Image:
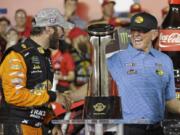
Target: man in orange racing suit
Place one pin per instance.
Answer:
(26, 76)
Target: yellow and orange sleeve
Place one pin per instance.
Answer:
(13, 75)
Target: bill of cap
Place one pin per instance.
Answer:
(65, 24)
(139, 28)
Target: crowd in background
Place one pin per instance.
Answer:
(71, 57)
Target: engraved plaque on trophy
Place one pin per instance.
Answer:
(99, 104)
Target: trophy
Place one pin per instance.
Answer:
(99, 104)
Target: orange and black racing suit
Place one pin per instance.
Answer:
(26, 76)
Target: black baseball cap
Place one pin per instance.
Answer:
(143, 22)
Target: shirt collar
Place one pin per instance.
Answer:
(134, 52)
(152, 52)
(32, 44)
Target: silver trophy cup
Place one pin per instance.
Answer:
(99, 104)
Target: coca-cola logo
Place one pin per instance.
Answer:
(173, 38)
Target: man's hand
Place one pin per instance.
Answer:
(65, 100)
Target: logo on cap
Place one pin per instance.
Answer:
(139, 19)
(52, 20)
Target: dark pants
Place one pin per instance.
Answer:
(134, 129)
(10, 129)
(19, 129)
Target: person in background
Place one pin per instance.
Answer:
(144, 78)
(26, 74)
(12, 37)
(81, 52)
(108, 14)
(4, 25)
(134, 9)
(63, 64)
(3, 43)
(70, 7)
(21, 23)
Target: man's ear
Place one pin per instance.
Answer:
(154, 34)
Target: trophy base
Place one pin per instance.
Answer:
(102, 107)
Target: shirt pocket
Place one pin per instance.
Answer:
(133, 74)
(157, 75)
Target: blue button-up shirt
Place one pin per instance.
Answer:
(145, 82)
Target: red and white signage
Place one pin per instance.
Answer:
(169, 40)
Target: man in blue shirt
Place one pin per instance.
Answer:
(145, 79)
